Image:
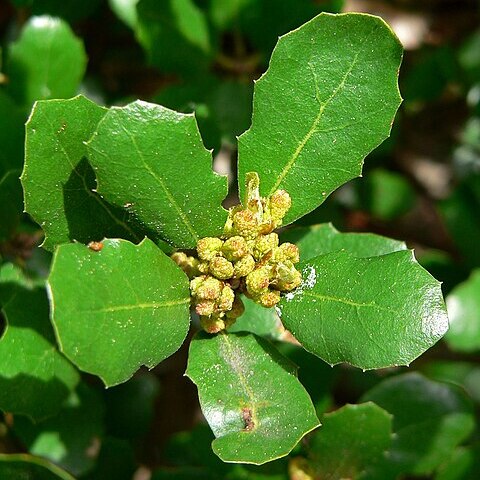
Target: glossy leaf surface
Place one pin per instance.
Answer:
(118, 308)
(151, 160)
(58, 181)
(31, 363)
(463, 305)
(326, 101)
(325, 238)
(48, 61)
(370, 312)
(429, 420)
(250, 396)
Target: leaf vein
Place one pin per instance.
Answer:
(160, 180)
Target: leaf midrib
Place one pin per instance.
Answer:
(313, 129)
(139, 306)
(160, 180)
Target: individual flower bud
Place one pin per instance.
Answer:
(245, 224)
(280, 202)
(212, 324)
(179, 258)
(237, 308)
(269, 298)
(287, 277)
(257, 281)
(234, 248)
(289, 251)
(203, 267)
(264, 244)
(205, 308)
(227, 297)
(221, 268)
(244, 266)
(206, 287)
(188, 264)
(208, 247)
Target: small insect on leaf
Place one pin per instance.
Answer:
(95, 246)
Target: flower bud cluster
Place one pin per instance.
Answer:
(247, 259)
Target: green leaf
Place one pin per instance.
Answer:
(35, 378)
(119, 308)
(174, 34)
(429, 420)
(369, 312)
(137, 154)
(12, 120)
(351, 440)
(463, 306)
(11, 204)
(27, 467)
(326, 101)
(72, 438)
(325, 238)
(259, 320)
(48, 61)
(59, 182)
(250, 396)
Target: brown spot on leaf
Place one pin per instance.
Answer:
(95, 246)
(247, 419)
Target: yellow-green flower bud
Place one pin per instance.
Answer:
(234, 248)
(206, 287)
(221, 268)
(289, 251)
(208, 247)
(279, 204)
(203, 267)
(264, 244)
(225, 302)
(258, 281)
(245, 224)
(205, 308)
(287, 277)
(212, 324)
(179, 258)
(244, 266)
(188, 264)
(269, 298)
(237, 308)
